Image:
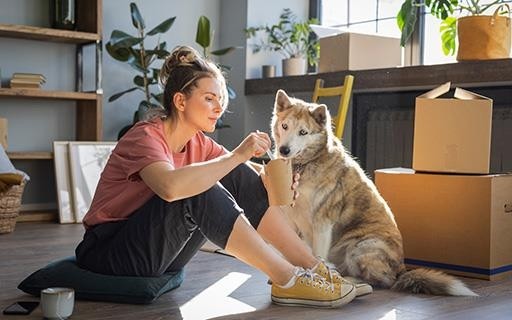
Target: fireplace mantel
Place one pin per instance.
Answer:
(468, 74)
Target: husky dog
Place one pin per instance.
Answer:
(339, 211)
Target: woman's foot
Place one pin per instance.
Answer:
(307, 288)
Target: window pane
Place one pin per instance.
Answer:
(432, 50)
(389, 28)
(334, 12)
(367, 27)
(362, 10)
(389, 8)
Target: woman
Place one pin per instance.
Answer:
(167, 188)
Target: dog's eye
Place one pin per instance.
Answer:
(303, 132)
(285, 126)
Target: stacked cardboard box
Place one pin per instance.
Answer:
(453, 214)
(358, 51)
(27, 80)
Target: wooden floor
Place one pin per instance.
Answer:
(217, 286)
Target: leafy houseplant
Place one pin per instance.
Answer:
(289, 37)
(132, 50)
(443, 10)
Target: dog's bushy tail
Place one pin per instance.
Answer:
(433, 282)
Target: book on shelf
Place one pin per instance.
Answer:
(29, 76)
(27, 80)
(26, 85)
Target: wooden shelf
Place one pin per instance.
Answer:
(47, 34)
(47, 94)
(30, 155)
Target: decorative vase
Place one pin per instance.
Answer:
(62, 14)
(294, 66)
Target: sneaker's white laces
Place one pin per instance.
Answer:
(313, 277)
(333, 272)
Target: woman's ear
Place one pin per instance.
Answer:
(179, 101)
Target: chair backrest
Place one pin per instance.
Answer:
(344, 91)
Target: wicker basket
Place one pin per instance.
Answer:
(10, 202)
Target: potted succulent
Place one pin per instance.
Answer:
(293, 39)
(479, 36)
(132, 50)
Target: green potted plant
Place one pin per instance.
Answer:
(479, 36)
(132, 50)
(293, 39)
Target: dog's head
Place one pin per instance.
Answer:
(300, 130)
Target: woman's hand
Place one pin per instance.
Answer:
(254, 145)
(294, 186)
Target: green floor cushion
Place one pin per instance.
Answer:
(99, 287)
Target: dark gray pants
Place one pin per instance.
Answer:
(163, 236)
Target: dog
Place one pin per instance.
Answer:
(339, 212)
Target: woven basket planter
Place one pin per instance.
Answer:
(10, 202)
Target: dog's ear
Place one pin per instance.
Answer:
(320, 114)
(282, 101)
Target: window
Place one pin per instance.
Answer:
(368, 16)
(379, 16)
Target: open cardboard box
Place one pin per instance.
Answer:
(452, 134)
(461, 224)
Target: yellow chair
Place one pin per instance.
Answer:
(344, 92)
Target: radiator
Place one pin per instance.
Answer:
(389, 139)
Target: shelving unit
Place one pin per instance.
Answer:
(88, 104)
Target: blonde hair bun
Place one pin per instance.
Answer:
(179, 57)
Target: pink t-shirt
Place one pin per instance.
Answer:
(121, 190)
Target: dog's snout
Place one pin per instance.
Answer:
(284, 150)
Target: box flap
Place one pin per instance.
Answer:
(467, 95)
(436, 92)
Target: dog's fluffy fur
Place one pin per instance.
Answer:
(339, 211)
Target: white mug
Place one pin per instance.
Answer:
(57, 303)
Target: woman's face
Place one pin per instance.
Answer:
(203, 106)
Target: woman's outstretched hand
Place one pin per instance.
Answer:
(254, 145)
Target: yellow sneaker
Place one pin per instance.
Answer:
(334, 276)
(310, 289)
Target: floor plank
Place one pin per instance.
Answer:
(216, 286)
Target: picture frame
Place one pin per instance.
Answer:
(87, 161)
(63, 181)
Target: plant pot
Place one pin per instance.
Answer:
(268, 71)
(294, 66)
(483, 37)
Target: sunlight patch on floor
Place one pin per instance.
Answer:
(391, 315)
(214, 301)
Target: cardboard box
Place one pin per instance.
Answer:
(357, 51)
(461, 224)
(3, 132)
(452, 134)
